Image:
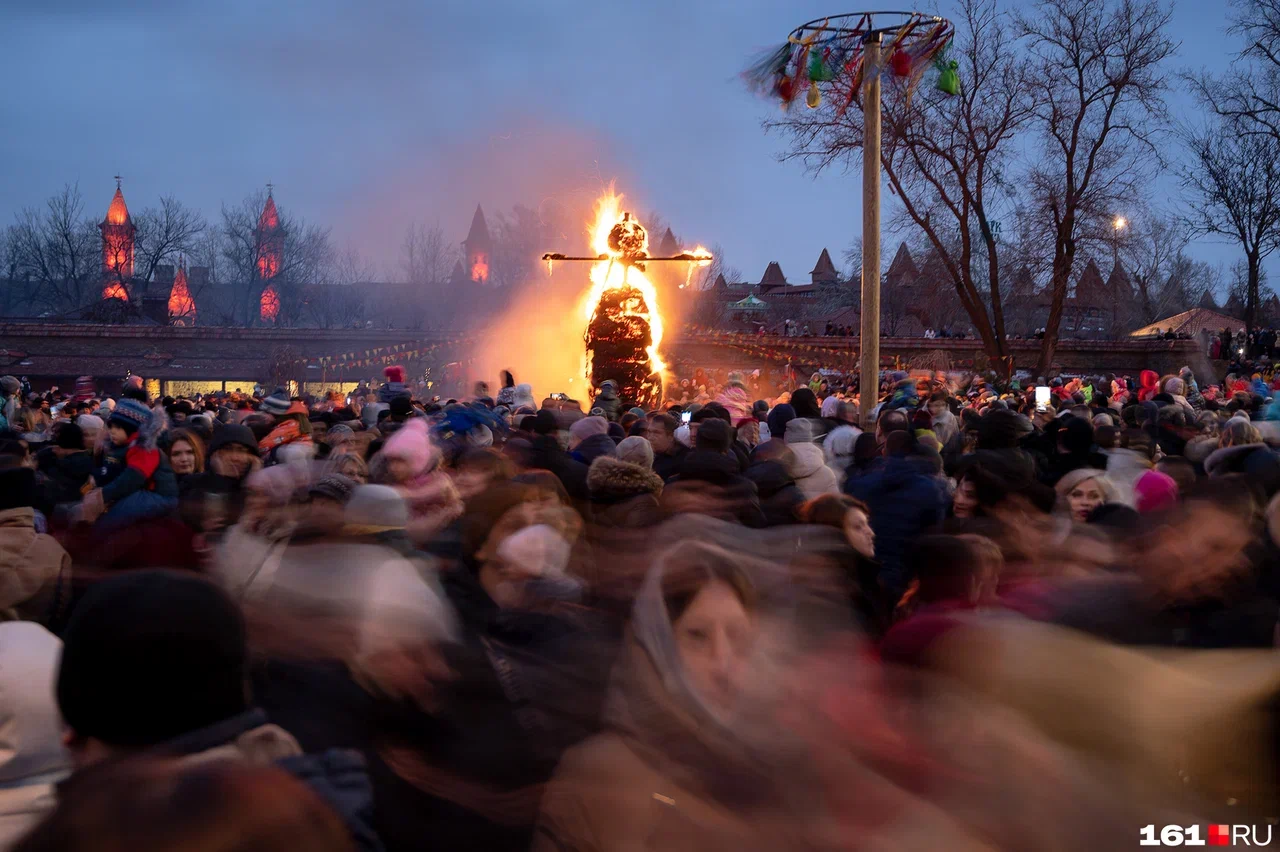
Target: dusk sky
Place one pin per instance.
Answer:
(367, 116)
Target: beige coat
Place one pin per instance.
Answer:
(30, 563)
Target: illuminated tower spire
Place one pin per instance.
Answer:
(117, 247)
(270, 242)
(478, 247)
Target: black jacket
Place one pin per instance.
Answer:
(721, 472)
(780, 497)
(546, 454)
(668, 464)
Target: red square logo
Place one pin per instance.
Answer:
(1219, 835)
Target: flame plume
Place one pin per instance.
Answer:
(624, 325)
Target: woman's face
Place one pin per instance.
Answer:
(182, 458)
(965, 502)
(858, 532)
(1084, 498)
(714, 636)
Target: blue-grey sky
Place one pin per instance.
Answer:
(370, 114)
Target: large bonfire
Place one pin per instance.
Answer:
(624, 325)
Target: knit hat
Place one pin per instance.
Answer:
(277, 404)
(778, 419)
(536, 550)
(149, 656)
(131, 415)
(413, 444)
(401, 406)
(374, 509)
(588, 426)
(90, 421)
(637, 451)
(233, 433)
(9, 384)
(334, 486)
(339, 434)
(638, 412)
(1155, 491)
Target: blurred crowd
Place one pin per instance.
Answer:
(998, 615)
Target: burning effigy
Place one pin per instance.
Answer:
(624, 324)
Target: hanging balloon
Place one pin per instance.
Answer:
(814, 98)
(900, 62)
(819, 71)
(949, 79)
(786, 89)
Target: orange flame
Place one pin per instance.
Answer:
(608, 275)
(115, 290)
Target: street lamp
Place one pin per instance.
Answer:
(1119, 224)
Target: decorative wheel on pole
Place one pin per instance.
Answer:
(843, 57)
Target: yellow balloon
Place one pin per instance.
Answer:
(814, 98)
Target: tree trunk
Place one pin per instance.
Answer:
(1061, 274)
(1251, 298)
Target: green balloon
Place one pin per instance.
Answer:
(949, 79)
(818, 70)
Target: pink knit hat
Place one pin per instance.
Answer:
(412, 443)
(1155, 491)
(588, 426)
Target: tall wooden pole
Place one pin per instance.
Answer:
(869, 367)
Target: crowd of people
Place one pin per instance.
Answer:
(998, 615)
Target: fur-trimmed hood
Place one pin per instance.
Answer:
(612, 479)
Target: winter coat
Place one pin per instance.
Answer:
(904, 396)
(607, 401)
(389, 598)
(337, 776)
(623, 494)
(905, 502)
(593, 448)
(521, 689)
(546, 454)
(32, 566)
(779, 495)
(734, 398)
(668, 464)
(1258, 462)
(734, 496)
(837, 448)
(1124, 467)
(810, 472)
(32, 757)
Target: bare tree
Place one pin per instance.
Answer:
(59, 251)
(300, 252)
(947, 159)
(340, 298)
(1233, 190)
(163, 234)
(1151, 250)
(427, 256)
(1098, 82)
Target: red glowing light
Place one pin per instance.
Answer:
(182, 308)
(480, 268)
(115, 290)
(269, 304)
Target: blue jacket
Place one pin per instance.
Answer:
(905, 502)
(338, 775)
